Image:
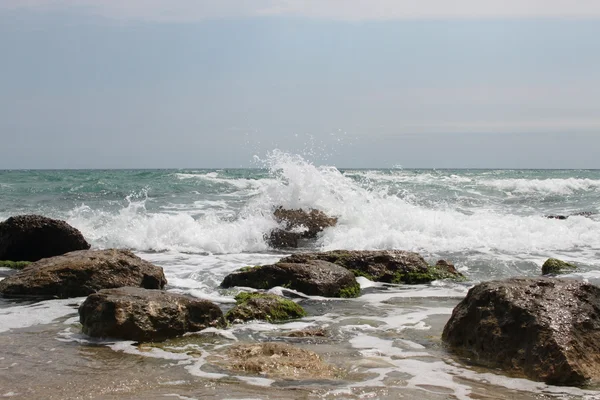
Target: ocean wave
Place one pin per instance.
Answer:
(544, 186)
(369, 217)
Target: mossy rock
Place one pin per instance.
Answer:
(389, 266)
(554, 266)
(433, 273)
(350, 291)
(14, 264)
(265, 307)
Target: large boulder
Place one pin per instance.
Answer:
(263, 306)
(33, 237)
(276, 360)
(146, 315)
(81, 273)
(545, 329)
(298, 224)
(554, 266)
(315, 278)
(390, 266)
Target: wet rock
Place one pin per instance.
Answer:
(308, 332)
(586, 214)
(546, 329)
(314, 278)
(298, 224)
(263, 306)
(81, 273)
(556, 216)
(556, 267)
(390, 266)
(281, 239)
(145, 315)
(277, 360)
(33, 237)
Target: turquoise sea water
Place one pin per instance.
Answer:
(202, 224)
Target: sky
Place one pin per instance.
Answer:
(350, 83)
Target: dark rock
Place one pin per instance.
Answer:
(448, 267)
(298, 224)
(276, 360)
(33, 237)
(314, 278)
(81, 273)
(263, 306)
(546, 329)
(556, 216)
(556, 267)
(390, 266)
(586, 214)
(281, 239)
(145, 315)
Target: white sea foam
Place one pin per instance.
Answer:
(544, 186)
(43, 312)
(369, 217)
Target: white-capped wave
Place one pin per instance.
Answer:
(551, 186)
(369, 217)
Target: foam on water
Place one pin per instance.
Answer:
(544, 186)
(43, 312)
(371, 216)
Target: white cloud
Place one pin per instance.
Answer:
(353, 10)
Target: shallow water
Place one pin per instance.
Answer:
(199, 225)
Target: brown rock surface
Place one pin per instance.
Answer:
(298, 224)
(278, 360)
(146, 315)
(315, 278)
(390, 266)
(80, 273)
(543, 328)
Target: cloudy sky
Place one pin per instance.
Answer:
(353, 83)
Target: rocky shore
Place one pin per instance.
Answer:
(545, 329)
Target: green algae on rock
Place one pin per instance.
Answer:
(389, 266)
(263, 306)
(14, 264)
(555, 266)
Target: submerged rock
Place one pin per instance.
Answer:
(33, 237)
(298, 224)
(308, 332)
(263, 306)
(83, 272)
(314, 278)
(390, 266)
(556, 267)
(145, 315)
(277, 360)
(545, 329)
(586, 214)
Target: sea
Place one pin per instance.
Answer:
(201, 224)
